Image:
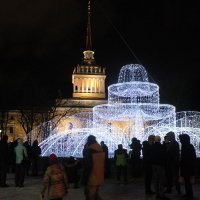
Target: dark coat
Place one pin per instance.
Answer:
(147, 152)
(173, 153)
(136, 149)
(4, 151)
(188, 157)
(158, 154)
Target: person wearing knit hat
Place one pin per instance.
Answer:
(55, 180)
(53, 159)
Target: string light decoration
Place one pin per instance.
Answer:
(133, 73)
(133, 110)
(133, 107)
(133, 92)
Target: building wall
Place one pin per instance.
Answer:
(65, 107)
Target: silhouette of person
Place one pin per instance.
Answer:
(28, 162)
(135, 157)
(147, 161)
(158, 165)
(93, 168)
(172, 164)
(187, 164)
(35, 153)
(120, 157)
(107, 164)
(21, 153)
(4, 161)
(72, 168)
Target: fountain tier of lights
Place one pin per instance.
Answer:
(133, 110)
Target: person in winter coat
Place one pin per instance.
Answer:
(172, 164)
(35, 153)
(187, 164)
(147, 161)
(120, 157)
(158, 165)
(20, 157)
(136, 148)
(55, 180)
(28, 162)
(4, 161)
(93, 169)
(107, 162)
(72, 168)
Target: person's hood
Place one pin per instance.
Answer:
(171, 136)
(184, 139)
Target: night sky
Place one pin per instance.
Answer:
(42, 41)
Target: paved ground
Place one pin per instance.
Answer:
(110, 191)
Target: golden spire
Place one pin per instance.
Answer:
(88, 36)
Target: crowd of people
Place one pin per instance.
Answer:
(165, 166)
(19, 158)
(166, 163)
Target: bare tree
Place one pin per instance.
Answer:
(28, 120)
(4, 120)
(51, 117)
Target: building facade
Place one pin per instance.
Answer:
(88, 81)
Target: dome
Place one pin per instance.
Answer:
(132, 73)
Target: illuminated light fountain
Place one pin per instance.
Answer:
(133, 110)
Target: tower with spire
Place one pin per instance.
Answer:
(88, 79)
